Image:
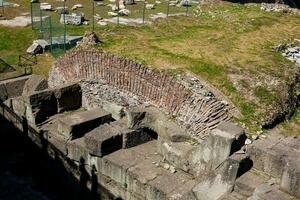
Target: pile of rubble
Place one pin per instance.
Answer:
(291, 51)
(89, 39)
(275, 7)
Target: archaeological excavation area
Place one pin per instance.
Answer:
(124, 131)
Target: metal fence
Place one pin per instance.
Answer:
(2, 7)
(50, 27)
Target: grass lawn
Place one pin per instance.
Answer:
(228, 45)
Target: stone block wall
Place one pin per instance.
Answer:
(196, 112)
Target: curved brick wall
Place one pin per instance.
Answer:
(197, 112)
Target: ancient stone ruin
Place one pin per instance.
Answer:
(145, 134)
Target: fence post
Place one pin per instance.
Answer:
(50, 29)
(93, 15)
(31, 15)
(65, 31)
(168, 7)
(118, 8)
(186, 10)
(41, 23)
(144, 9)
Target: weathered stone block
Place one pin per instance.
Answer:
(290, 180)
(116, 110)
(12, 88)
(266, 191)
(40, 106)
(77, 124)
(68, 97)
(115, 165)
(19, 106)
(35, 83)
(76, 150)
(103, 140)
(212, 188)
(131, 137)
(221, 143)
(176, 153)
(269, 160)
(161, 186)
(171, 131)
(183, 192)
(139, 175)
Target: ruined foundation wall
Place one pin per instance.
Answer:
(198, 113)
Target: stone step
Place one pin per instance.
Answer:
(103, 140)
(143, 173)
(76, 124)
(247, 183)
(267, 191)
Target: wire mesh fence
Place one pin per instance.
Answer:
(92, 15)
(2, 7)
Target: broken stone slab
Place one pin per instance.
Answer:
(77, 6)
(183, 192)
(103, 140)
(40, 105)
(34, 49)
(211, 189)
(165, 184)
(290, 179)
(45, 6)
(35, 83)
(150, 6)
(68, 97)
(116, 164)
(102, 23)
(43, 43)
(112, 14)
(142, 173)
(171, 131)
(131, 137)
(73, 19)
(176, 153)
(247, 183)
(124, 12)
(267, 191)
(77, 124)
(269, 155)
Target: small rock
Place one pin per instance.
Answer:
(150, 6)
(172, 169)
(102, 23)
(254, 137)
(77, 6)
(112, 14)
(248, 141)
(166, 166)
(45, 6)
(124, 12)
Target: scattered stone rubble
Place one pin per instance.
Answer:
(290, 51)
(89, 39)
(276, 7)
